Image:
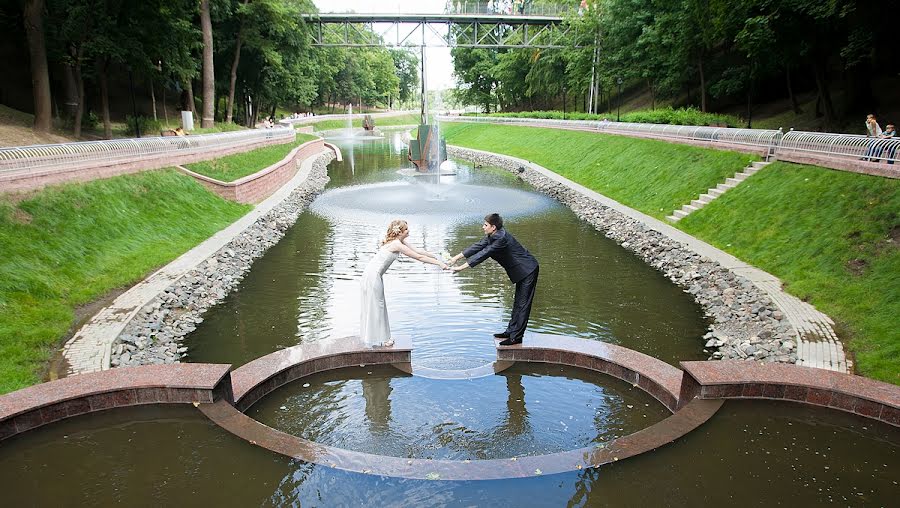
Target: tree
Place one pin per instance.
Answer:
(406, 64)
(209, 85)
(37, 50)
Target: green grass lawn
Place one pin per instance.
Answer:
(239, 165)
(69, 245)
(654, 177)
(833, 237)
(380, 121)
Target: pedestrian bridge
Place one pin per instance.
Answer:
(463, 28)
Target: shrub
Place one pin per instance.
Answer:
(148, 126)
(681, 116)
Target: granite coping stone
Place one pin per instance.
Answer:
(666, 376)
(250, 375)
(196, 376)
(688, 418)
(757, 377)
(314, 143)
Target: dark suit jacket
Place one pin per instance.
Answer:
(504, 249)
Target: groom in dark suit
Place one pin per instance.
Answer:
(520, 266)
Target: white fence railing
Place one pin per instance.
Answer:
(64, 156)
(844, 146)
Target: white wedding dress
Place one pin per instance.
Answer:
(374, 328)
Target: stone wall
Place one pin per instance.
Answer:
(260, 185)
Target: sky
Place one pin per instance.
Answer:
(438, 63)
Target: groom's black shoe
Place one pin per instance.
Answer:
(501, 335)
(510, 342)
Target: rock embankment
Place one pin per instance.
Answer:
(154, 335)
(745, 323)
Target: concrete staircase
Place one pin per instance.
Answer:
(716, 191)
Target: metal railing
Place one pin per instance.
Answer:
(66, 156)
(509, 8)
(841, 145)
(836, 146)
(748, 137)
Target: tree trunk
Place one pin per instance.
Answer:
(165, 111)
(70, 92)
(234, 67)
(37, 51)
(652, 94)
(153, 100)
(794, 105)
(76, 54)
(209, 84)
(824, 94)
(702, 84)
(190, 97)
(102, 64)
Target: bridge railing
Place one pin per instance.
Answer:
(40, 159)
(522, 8)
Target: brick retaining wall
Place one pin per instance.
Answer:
(260, 185)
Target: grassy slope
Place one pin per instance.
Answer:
(410, 119)
(239, 165)
(654, 177)
(826, 234)
(803, 224)
(68, 245)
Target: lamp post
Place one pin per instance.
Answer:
(619, 102)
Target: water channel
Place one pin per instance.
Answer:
(305, 289)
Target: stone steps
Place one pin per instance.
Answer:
(718, 190)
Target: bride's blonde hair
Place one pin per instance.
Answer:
(397, 227)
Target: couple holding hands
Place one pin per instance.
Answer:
(497, 244)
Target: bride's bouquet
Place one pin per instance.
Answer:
(445, 256)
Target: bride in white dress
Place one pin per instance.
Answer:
(374, 328)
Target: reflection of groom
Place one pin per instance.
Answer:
(520, 266)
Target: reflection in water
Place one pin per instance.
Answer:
(306, 288)
(517, 413)
(528, 409)
(750, 453)
(377, 394)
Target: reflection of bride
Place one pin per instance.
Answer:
(374, 328)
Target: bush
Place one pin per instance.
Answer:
(681, 116)
(148, 126)
(89, 121)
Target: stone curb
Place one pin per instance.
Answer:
(769, 331)
(91, 348)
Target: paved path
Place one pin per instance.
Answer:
(90, 348)
(818, 344)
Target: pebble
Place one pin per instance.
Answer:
(155, 333)
(738, 310)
